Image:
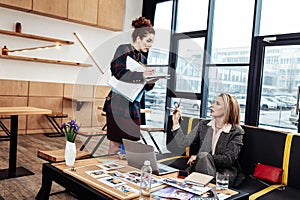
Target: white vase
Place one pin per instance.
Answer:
(70, 153)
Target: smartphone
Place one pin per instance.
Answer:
(182, 174)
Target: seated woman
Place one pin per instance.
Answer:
(216, 143)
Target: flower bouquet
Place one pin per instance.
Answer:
(70, 130)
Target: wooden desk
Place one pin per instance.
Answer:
(78, 182)
(14, 112)
(58, 155)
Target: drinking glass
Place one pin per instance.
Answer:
(222, 181)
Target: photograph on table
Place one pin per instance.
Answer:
(127, 190)
(97, 173)
(112, 181)
(110, 166)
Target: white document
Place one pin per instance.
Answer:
(129, 90)
(133, 65)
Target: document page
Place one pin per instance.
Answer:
(132, 90)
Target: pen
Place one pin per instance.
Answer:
(142, 64)
(170, 108)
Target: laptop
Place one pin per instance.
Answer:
(137, 153)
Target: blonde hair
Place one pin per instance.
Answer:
(232, 109)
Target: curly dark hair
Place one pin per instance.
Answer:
(142, 27)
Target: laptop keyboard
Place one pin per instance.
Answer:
(164, 168)
(160, 170)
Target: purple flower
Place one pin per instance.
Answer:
(70, 130)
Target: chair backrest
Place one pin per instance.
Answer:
(293, 178)
(186, 124)
(261, 146)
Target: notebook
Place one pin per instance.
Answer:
(137, 153)
(198, 178)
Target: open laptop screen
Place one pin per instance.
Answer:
(137, 153)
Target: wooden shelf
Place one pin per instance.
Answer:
(45, 61)
(36, 37)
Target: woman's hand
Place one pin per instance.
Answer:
(176, 116)
(148, 72)
(192, 159)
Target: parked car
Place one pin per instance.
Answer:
(241, 99)
(190, 104)
(264, 103)
(280, 105)
(289, 101)
(155, 95)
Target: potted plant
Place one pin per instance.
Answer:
(70, 130)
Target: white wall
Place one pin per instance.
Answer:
(99, 42)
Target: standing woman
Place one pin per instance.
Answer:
(123, 117)
(216, 143)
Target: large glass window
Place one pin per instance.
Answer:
(229, 37)
(280, 86)
(155, 100)
(163, 15)
(279, 17)
(192, 15)
(189, 65)
(232, 29)
(158, 58)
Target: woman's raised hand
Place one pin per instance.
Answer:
(176, 115)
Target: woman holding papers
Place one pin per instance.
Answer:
(123, 114)
(216, 143)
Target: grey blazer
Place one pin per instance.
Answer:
(227, 149)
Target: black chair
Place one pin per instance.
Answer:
(177, 156)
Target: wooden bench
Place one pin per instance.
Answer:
(3, 127)
(52, 119)
(58, 155)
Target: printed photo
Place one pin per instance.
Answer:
(97, 173)
(110, 166)
(115, 173)
(186, 186)
(134, 174)
(173, 193)
(135, 178)
(112, 181)
(127, 190)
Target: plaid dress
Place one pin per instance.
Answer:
(123, 117)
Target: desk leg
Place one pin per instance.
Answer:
(98, 144)
(13, 171)
(45, 189)
(154, 142)
(144, 140)
(13, 146)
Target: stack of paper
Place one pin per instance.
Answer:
(132, 90)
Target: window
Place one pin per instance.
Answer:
(189, 65)
(279, 17)
(192, 15)
(158, 58)
(232, 29)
